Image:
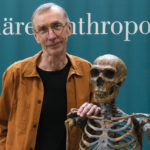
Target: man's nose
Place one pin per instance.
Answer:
(51, 34)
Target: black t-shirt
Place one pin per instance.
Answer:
(51, 133)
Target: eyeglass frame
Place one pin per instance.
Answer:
(47, 30)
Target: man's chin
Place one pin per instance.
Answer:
(55, 52)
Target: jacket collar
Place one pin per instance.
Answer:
(29, 69)
(75, 66)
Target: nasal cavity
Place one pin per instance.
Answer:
(100, 81)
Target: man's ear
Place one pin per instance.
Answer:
(69, 29)
(36, 37)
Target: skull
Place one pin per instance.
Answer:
(107, 75)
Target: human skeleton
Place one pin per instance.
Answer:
(112, 129)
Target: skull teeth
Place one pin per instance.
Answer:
(101, 94)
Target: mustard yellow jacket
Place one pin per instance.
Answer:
(22, 96)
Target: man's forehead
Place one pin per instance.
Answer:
(50, 15)
(51, 12)
(56, 9)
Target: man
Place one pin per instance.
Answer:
(39, 91)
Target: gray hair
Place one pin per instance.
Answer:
(47, 6)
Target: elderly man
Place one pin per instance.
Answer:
(38, 92)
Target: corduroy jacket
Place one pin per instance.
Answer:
(22, 96)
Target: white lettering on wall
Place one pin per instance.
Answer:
(85, 26)
(19, 24)
(81, 26)
(113, 27)
(104, 23)
(141, 27)
(92, 23)
(127, 29)
(27, 27)
(8, 27)
(73, 24)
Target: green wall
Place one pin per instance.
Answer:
(126, 34)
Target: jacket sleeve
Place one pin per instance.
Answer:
(5, 106)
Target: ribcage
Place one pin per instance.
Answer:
(108, 135)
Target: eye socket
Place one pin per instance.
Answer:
(57, 26)
(109, 74)
(43, 29)
(94, 72)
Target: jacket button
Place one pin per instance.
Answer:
(39, 101)
(34, 126)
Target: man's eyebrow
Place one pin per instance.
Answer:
(56, 22)
(53, 23)
(40, 26)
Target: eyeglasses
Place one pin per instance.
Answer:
(57, 29)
